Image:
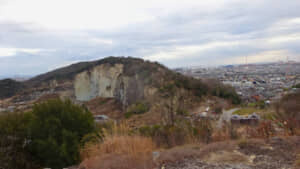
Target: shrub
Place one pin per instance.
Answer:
(232, 131)
(128, 115)
(137, 108)
(204, 130)
(269, 116)
(56, 129)
(182, 112)
(195, 85)
(243, 143)
(220, 135)
(182, 132)
(218, 109)
(13, 139)
(288, 113)
(261, 104)
(165, 136)
(226, 92)
(265, 129)
(297, 86)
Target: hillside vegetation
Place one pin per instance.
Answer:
(9, 87)
(48, 136)
(137, 80)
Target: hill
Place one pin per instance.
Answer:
(9, 87)
(129, 81)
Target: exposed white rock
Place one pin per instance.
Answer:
(101, 81)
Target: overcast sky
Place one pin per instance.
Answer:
(40, 35)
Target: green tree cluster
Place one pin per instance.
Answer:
(49, 136)
(226, 92)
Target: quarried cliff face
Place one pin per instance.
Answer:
(109, 81)
(101, 81)
(128, 80)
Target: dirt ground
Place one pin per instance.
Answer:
(274, 153)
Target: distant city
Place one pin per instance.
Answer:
(253, 82)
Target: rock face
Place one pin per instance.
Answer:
(109, 81)
(128, 80)
(102, 81)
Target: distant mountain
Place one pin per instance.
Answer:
(9, 87)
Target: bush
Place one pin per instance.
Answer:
(297, 86)
(13, 138)
(182, 112)
(243, 143)
(265, 129)
(226, 92)
(204, 130)
(261, 104)
(218, 109)
(195, 85)
(169, 135)
(128, 115)
(56, 129)
(137, 108)
(181, 132)
(288, 113)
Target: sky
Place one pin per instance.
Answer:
(37, 36)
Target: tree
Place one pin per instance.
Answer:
(223, 91)
(297, 86)
(288, 112)
(55, 131)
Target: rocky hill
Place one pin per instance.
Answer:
(127, 80)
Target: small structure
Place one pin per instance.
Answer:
(251, 119)
(101, 118)
(235, 119)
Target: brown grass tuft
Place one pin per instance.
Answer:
(119, 152)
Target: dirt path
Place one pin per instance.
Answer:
(226, 116)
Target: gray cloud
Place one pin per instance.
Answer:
(180, 38)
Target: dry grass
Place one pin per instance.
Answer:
(131, 145)
(119, 150)
(220, 135)
(226, 157)
(297, 161)
(119, 161)
(200, 151)
(246, 111)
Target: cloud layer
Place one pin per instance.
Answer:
(38, 36)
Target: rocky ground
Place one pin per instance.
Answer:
(272, 153)
(275, 153)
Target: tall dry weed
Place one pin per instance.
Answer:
(118, 144)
